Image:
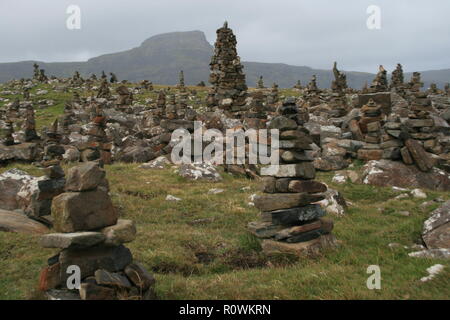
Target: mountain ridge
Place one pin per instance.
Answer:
(161, 57)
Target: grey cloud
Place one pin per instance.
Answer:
(308, 32)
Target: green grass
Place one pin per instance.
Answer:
(198, 248)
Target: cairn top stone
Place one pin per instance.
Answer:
(87, 176)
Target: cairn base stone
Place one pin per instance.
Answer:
(89, 260)
(312, 247)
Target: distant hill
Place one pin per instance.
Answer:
(161, 57)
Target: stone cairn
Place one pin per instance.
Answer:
(125, 98)
(9, 133)
(397, 79)
(291, 220)
(30, 125)
(227, 76)
(53, 150)
(26, 94)
(418, 127)
(380, 83)
(260, 84)
(273, 95)
(113, 78)
(91, 237)
(415, 83)
(104, 91)
(298, 85)
(256, 115)
(368, 129)
(181, 85)
(97, 146)
(312, 92)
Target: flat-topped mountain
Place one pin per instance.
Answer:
(161, 57)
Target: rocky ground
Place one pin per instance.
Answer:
(192, 236)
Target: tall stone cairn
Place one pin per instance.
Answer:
(91, 237)
(291, 219)
(227, 76)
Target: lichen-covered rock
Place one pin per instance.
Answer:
(11, 182)
(436, 229)
(386, 173)
(200, 171)
(334, 202)
(159, 163)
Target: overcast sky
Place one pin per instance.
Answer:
(300, 32)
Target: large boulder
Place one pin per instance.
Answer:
(20, 152)
(11, 182)
(386, 173)
(139, 154)
(11, 221)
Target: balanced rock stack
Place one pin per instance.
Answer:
(226, 76)
(291, 220)
(369, 127)
(418, 133)
(91, 238)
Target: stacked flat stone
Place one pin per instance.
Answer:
(291, 220)
(91, 237)
(227, 76)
